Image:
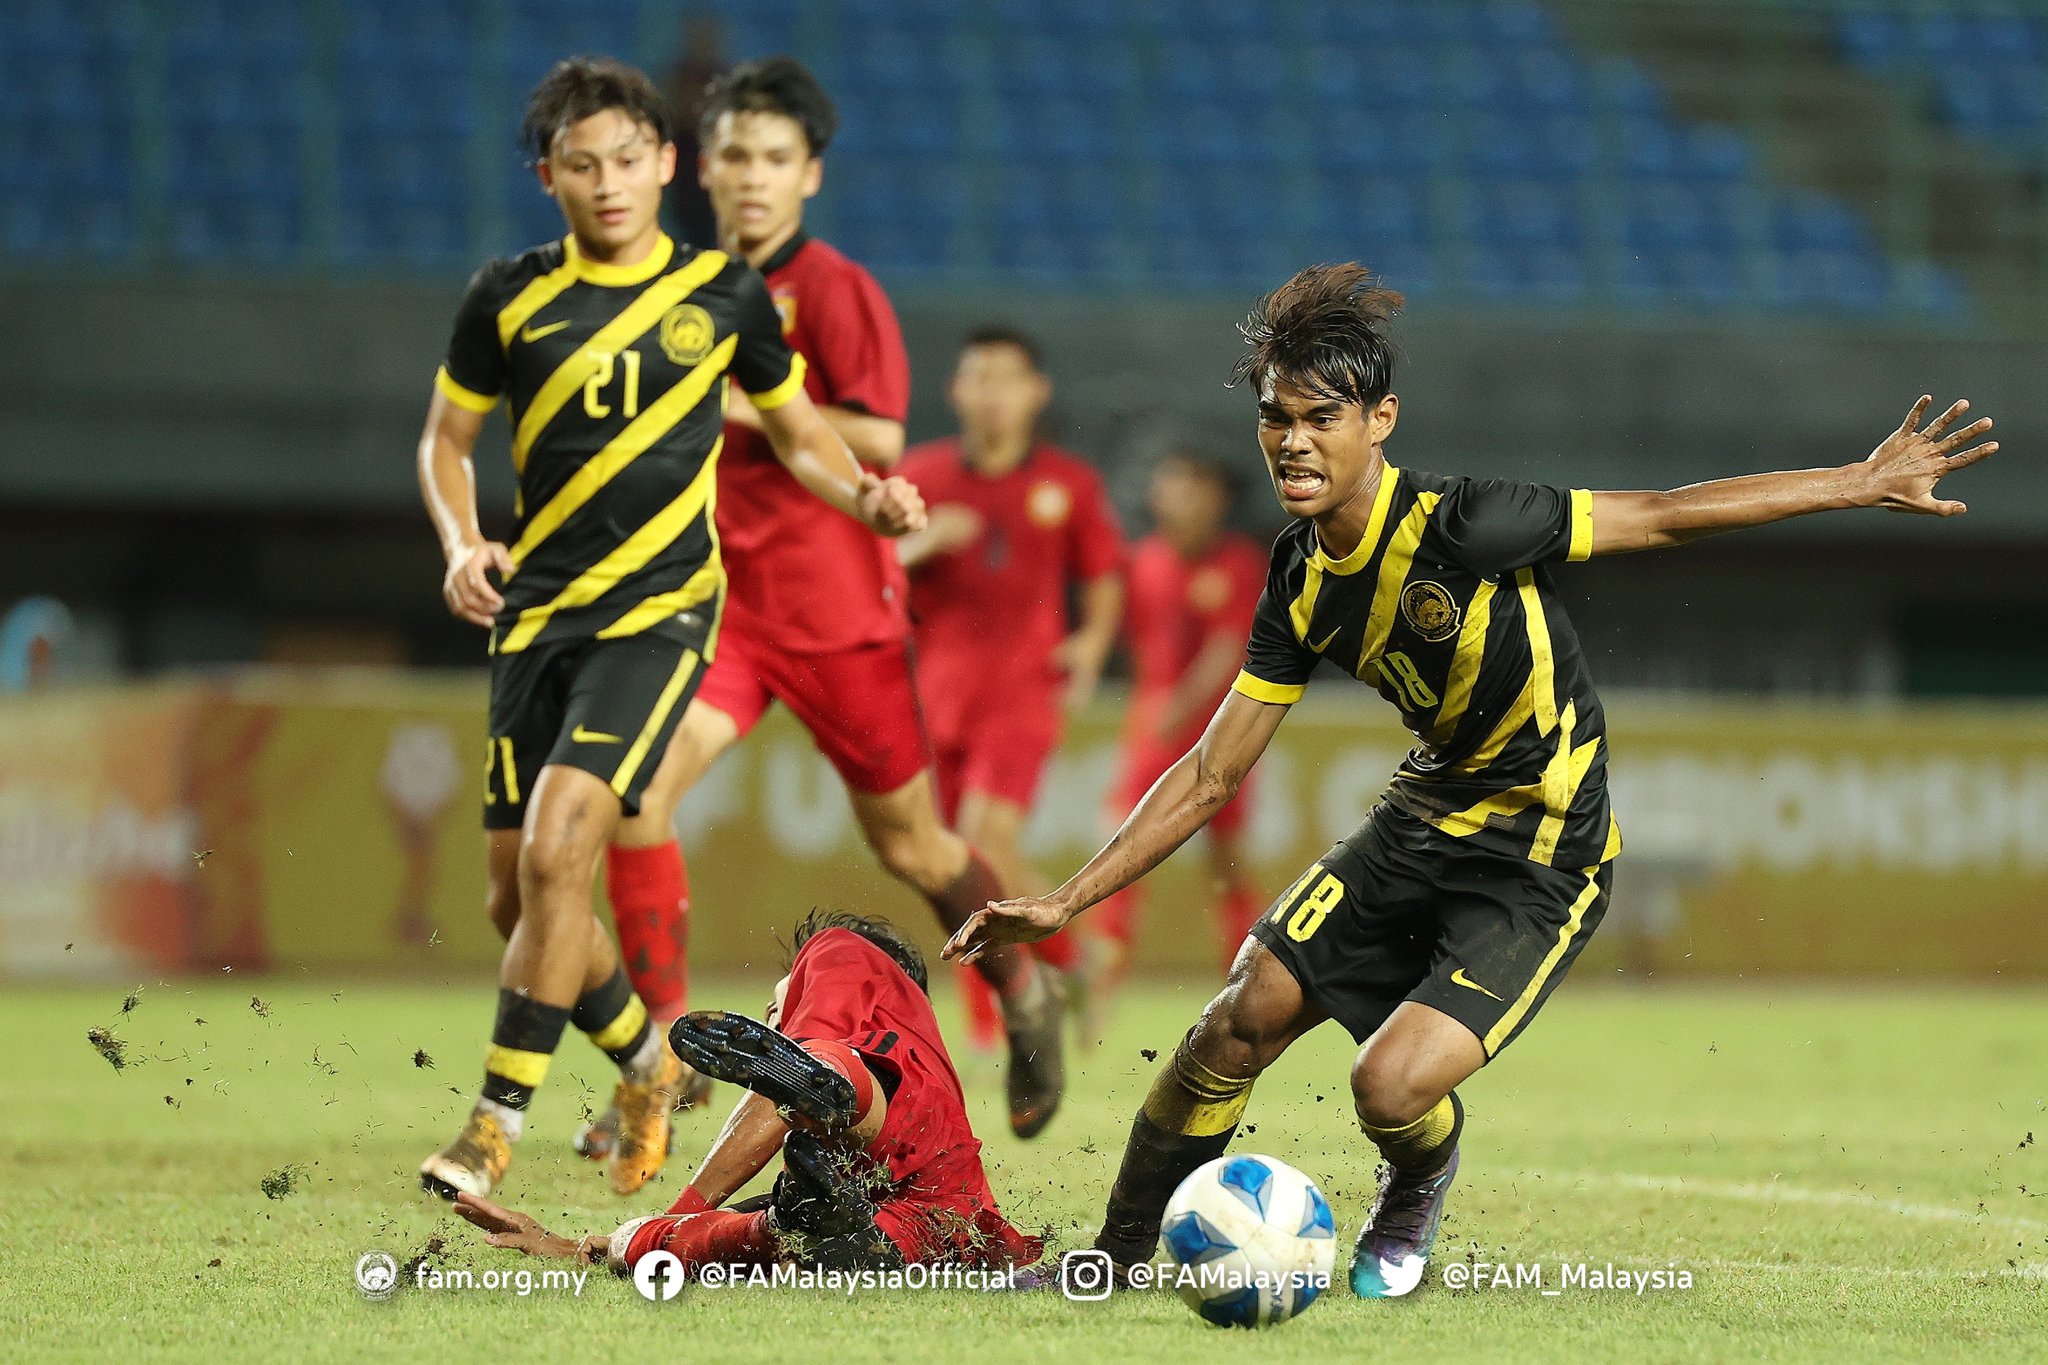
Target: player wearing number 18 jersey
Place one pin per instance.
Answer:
(613, 349)
(1435, 932)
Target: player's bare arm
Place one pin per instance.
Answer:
(448, 483)
(1083, 653)
(1180, 803)
(522, 1232)
(1900, 475)
(948, 527)
(819, 459)
(876, 442)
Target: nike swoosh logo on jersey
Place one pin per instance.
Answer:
(536, 333)
(580, 735)
(1458, 978)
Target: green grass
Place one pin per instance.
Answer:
(1842, 1172)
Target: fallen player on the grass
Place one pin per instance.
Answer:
(850, 1081)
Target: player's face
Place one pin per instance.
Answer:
(1320, 451)
(1186, 501)
(607, 173)
(758, 170)
(997, 394)
(775, 1005)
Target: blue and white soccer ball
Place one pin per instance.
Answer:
(1251, 1239)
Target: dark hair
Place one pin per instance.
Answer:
(1202, 465)
(776, 85)
(1325, 330)
(874, 929)
(999, 335)
(581, 86)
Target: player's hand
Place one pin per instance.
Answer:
(952, 526)
(514, 1230)
(1081, 660)
(891, 506)
(1000, 922)
(466, 587)
(1903, 470)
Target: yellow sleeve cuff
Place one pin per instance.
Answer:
(1276, 694)
(1582, 525)
(461, 397)
(786, 390)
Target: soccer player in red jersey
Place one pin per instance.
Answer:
(815, 612)
(1190, 592)
(850, 1080)
(1016, 522)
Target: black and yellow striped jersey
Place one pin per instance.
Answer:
(616, 377)
(1447, 607)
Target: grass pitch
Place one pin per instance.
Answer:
(1845, 1175)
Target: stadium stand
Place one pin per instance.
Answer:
(1469, 148)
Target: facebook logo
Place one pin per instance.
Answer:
(658, 1276)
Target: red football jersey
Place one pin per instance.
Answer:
(802, 575)
(1174, 606)
(994, 611)
(844, 988)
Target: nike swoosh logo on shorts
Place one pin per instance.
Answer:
(536, 333)
(580, 735)
(1326, 641)
(1458, 978)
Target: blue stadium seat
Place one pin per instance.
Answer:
(1557, 146)
(1398, 141)
(1345, 81)
(1546, 274)
(1524, 214)
(1374, 214)
(1813, 221)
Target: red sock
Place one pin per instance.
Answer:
(718, 1237)
(650, 895)
(1057, 951)
(1236, 913)
(984, 1015)
(1116, 917)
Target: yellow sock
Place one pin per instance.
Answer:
(1419, 1145)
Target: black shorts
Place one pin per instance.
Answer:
(605, 706)
(1402, 911)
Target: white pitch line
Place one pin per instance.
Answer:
(1774, 1193)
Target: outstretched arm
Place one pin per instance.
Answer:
(812, 451)
(1900, 475)
(1179, 803)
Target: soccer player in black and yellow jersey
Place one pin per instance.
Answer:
(613, 349)
(1435, 932)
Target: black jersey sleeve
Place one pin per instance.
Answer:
(1495, 526)
(1276, 662)
(473, 375)
(763, 365)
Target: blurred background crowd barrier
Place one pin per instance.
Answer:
(330, 824)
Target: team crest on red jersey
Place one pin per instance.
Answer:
(1049, 504)
(785, 308)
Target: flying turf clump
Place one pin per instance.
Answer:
(108, 1046)
(283, 1182)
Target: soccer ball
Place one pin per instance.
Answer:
(1251, 1239)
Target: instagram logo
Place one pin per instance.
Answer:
(1087, 1275)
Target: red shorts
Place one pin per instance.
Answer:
(1145, 761)
(859, 704)
(998, 753)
